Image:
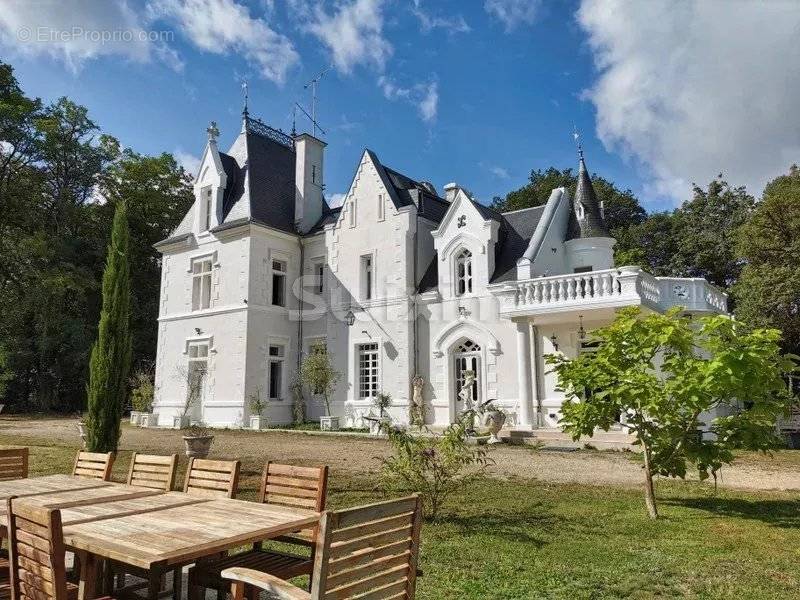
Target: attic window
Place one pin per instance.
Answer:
(207, 209)
(581, 212)
(381, 208)
(464, 273)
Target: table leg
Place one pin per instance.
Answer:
(177, 583)
(87, 588)
(154, 584)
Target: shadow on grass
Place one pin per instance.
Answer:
(779, 513)
(528, 527)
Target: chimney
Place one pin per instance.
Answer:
(450, 191)
(308, 181)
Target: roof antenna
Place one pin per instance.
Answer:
(313, 85)
(577, 136)
(305, 112)
(294, 119)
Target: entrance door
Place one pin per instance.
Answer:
(467, 357)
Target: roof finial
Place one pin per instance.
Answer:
(213, 132)
(246, 96)
(577, 136)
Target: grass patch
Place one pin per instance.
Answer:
(523, 539)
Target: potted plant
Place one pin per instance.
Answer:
(197, 439)
(318, 374)
(382, 401)
(257, 405)
(141, 396)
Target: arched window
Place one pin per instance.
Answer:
(464, 273)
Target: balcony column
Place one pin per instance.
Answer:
(524, 374)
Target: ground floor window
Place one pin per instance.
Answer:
(368, 370)
(276, 359)
(197, 370)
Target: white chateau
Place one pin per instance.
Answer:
(396, 282)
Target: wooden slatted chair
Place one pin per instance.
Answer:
(286, 485)
(94, 465)
(36, 549)
(13, 464)
(212, 478)
(153, 471)
(366, 552)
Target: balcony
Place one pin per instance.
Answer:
(610, 288)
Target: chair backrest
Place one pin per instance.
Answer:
(305, 487)
(212, 478)
(94, 465)
(36, 552)
(13, 464)
(373, 548)
(153, 471)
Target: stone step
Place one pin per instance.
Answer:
(602, 440)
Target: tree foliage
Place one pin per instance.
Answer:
(110, 361)
(768, 291)
(433, 466)
(60, 182)
(665, 373)
(319, 375)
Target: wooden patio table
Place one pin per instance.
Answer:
(165, 540)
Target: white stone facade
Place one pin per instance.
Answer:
(435, 285)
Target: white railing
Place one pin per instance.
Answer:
(569, 288)
(610, 287)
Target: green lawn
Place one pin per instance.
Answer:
(525, 539)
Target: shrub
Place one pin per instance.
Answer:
(142, 392)
(433, 466)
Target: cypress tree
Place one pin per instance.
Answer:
(111, 354)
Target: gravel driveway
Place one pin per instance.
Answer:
(359, 455)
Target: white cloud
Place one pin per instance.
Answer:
(499, 172)
(74, 32)
(513, 13)
(696, 88)
(428, 22)
(225, 26)
(353, 33)
(188, 161)
(425, 96)
(336, 200)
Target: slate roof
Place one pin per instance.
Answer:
(405, 191)
(592, 224)
(264, 186)
(430, 279)
(329, 215)
(516, 231)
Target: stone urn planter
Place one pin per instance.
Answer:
(136, 417)
(329, 423)
(197, 441)
(148, 420)
(494, 419)
(258, 422)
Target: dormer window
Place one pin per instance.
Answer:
(464, 273)
(207, 208)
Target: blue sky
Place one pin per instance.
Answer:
(478, 92)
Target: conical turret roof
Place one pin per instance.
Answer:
(586, 219)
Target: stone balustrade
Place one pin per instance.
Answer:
(620, 286)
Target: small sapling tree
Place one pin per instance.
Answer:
(664, 373)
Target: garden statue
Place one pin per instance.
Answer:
(466, 396)
(494, 419)
(417, 416)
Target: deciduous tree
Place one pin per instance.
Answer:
(665, 375)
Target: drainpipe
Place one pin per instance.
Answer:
(416, 289)
(538, 417)
(300, 308)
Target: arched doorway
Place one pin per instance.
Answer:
(466, 357)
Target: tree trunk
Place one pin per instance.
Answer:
(649, 491)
